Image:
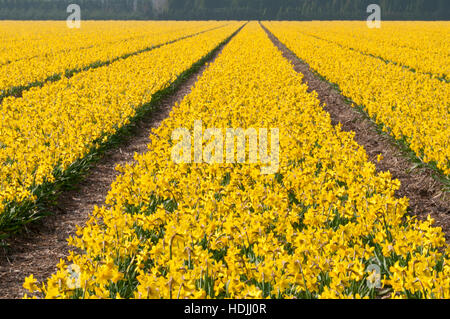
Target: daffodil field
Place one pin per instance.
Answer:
(398, 75)
(57, 51)
(400, 43)
(325, 225)
(49, 128)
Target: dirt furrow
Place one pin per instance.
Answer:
(426, 194)
(39, 249)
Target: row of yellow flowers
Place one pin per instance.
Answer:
(57, 124)
(421, 46)
(411, 106)
(61, 49)
(27, 39)
(317, 228)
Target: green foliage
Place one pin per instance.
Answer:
(226, 9)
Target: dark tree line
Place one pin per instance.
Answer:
(227, 9)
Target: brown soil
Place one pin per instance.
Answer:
(39, 249)
(426, 194)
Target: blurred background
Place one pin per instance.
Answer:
(225, 9)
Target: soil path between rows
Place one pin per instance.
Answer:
(426, 194)
(40, 249)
